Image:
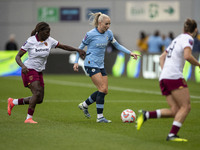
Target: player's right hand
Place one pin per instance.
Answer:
(25, 70)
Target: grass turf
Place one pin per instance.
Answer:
(63, 126)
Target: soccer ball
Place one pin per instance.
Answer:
(128, 115)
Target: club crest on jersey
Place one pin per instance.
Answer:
(191, 42)
(30, 78)
(45, 43)
(93, 70)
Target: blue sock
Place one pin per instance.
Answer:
(92, 98)
(100, 102)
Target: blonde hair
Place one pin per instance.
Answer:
(95, 18)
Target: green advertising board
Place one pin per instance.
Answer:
(48, 14)
(8, 65)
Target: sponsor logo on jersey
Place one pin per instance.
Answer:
(41, 50)
(101, 45)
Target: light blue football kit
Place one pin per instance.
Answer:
(96, 43)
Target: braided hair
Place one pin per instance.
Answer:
(40, 27)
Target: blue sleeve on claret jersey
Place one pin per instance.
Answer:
(120, 47)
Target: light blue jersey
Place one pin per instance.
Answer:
(154, 44)
(96, 43)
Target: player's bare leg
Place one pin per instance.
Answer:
(37, 98)
(182, 98)
(101, 82)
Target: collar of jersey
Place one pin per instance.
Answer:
(98, 31)
(36, 36)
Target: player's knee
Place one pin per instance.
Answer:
(104, 90)
(174, 111)
(39, 96)
(40, 100)
(188, 108)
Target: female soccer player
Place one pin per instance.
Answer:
(96, 41)
(172, 83)
(38, 47)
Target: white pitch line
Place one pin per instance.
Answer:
(107, 101)
(78, 84)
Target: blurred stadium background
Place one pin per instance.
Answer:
(62, 126)
(20, 17)
(69, 23)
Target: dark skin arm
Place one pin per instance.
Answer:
(69, 48)
(64, 47)
(19, 61)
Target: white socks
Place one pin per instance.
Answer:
(85, 104)
(99, 116)
(29, 116)
(15, 101)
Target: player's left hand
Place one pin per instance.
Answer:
(135, 56)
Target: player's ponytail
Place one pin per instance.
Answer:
(33, 32)
(95, 18)
(190, 25)
(39, 27)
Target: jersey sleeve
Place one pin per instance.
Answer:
(86, 40)
(116, 44)
(111, 36)
(188, 42)
(120, 47)
(54, 42)
(26, 46)
(77, 54)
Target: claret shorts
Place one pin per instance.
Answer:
(167, 85)
(32, 76)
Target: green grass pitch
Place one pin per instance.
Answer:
(62, 126)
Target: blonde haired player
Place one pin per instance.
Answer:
(96, 41)
(172, 83)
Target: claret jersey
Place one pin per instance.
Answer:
(38, 51)
(174, 61)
